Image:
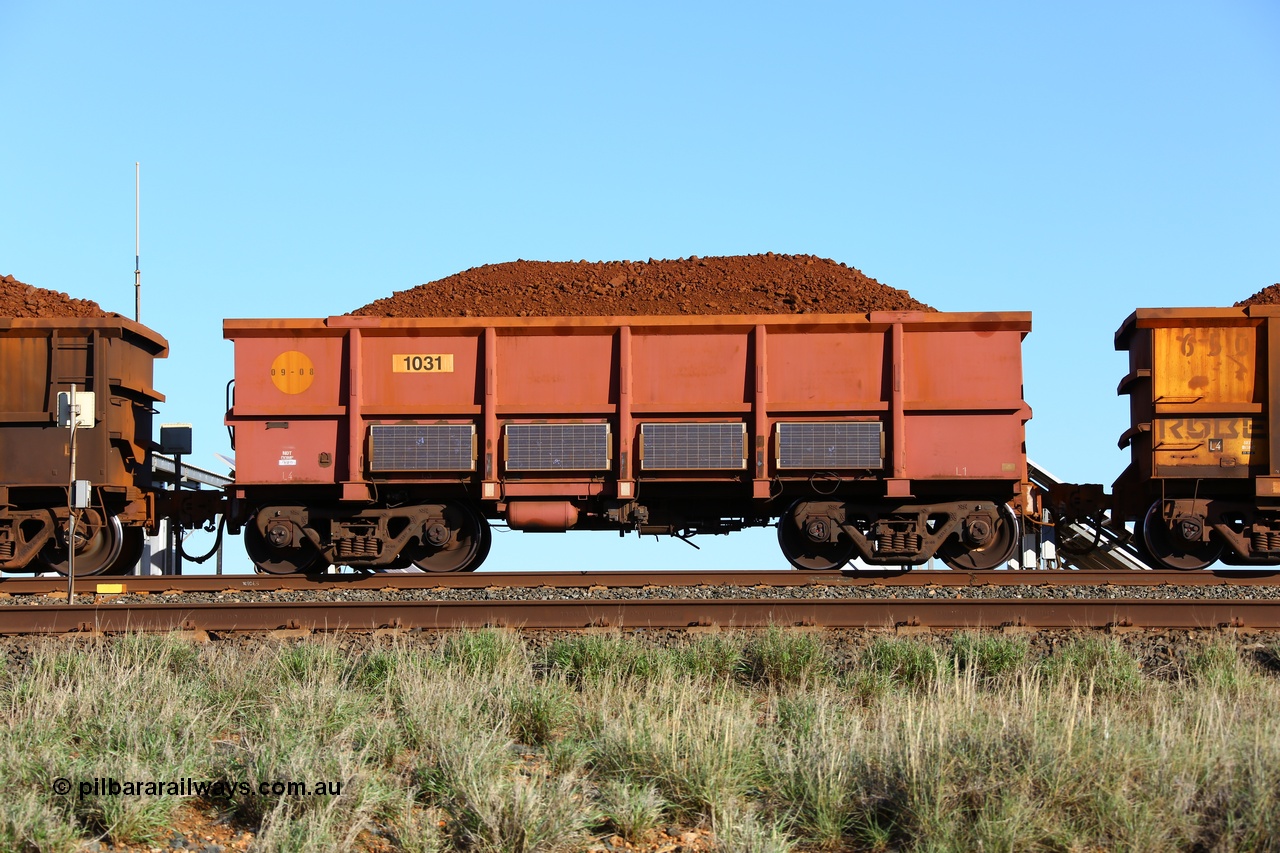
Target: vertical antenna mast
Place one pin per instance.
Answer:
(137, 243)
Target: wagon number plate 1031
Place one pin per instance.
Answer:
(422, 363)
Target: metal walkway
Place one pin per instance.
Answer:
(1112, 553)
(159, 555)
(192, 477)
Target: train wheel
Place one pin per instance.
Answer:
(279, 561)
(100, 547)
(460, 544)
(130, 551)
(807, 549)
(980, 549)
(1174, 552)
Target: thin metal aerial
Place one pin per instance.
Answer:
(137, 243)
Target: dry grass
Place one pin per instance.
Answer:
(480, 743)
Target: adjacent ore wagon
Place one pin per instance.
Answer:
(375, 442)
(111, 359)
(1204, 479)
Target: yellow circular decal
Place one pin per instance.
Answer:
(292, 372)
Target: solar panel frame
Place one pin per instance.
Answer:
(422, 447)
(693, 446)
(830, 445)
(558, 447)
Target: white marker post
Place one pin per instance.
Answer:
(73, 409)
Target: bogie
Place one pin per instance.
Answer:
(443, 537)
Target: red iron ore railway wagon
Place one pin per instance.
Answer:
(376, 443)
(1204, 479)
(112, 359)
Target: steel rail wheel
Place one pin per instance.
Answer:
(460, 544)
(101, 547)
(804, 551)
(131, 547)
(278, 561)
(1166, 550)
(997, 548)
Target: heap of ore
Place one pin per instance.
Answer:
(742, 284)
(22, 300)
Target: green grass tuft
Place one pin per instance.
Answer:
(777, 656)
(906, 663)
(1102, 664)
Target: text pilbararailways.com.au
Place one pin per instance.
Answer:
(188, 787)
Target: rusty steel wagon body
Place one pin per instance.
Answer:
(376, 442)
(1203, 482)
(113, 359)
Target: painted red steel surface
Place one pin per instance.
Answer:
(946, 386)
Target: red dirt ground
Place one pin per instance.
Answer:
(1269, 295)
(23, 300)
(742, 284)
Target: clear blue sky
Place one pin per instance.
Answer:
(1076, 160)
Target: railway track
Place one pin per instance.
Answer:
(587, 579)
(649, 614)
(644, 600)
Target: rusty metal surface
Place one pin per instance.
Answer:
(20, 586)
(962, 320)
(957, 378)
(113, 358)
(947, 614)
(1204, 434)
(1199, 395)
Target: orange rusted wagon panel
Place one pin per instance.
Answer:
(1203, 482)
(1199, 392)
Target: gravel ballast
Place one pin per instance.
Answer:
(1042, 590)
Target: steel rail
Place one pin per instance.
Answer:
(635, 615)
(637, 579)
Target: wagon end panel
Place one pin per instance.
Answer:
(291, 389)
(110, 360)
(964, 416)
(1203, 483)
(1199, 384)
